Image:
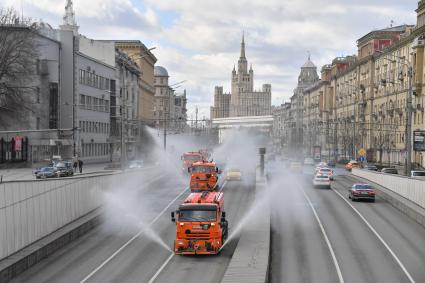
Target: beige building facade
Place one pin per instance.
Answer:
(146, 62)
(361, 101)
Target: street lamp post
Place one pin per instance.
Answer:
(409, 121)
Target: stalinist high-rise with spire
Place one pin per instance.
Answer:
(243, 99)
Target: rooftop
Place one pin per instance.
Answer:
(160, 71)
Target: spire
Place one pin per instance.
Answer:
(69, 22)
(250, 67)
(243, 46)
(234, 68)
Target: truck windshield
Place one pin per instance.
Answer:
(192, 157)
(203, 169)
(197, 215)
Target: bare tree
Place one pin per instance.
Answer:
(18, 54)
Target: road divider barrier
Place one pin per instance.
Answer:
(409, 188)
(34, 213)
(406, 194)
(250, 261)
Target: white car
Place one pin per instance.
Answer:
(325, 171)
(321, 181)
(322, 164)
(417, 174)
(308, 161)
(233, 174)
(136, 164)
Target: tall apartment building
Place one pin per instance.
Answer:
(244, 99)
(146, 60)
(221, 108)
(170, 109)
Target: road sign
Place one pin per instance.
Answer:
(419, 140)
(362, 152)
(18, 143)
(361, 158)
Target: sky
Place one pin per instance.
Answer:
(199, 40)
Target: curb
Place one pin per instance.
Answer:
(250, 261)
(22, 260)
(409, 208)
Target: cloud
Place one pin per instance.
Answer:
(199, 41)
(278, 35)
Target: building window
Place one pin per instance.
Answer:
(38, 94)
(37, 123)
(82, 101)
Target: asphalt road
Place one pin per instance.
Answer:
(318, 237)
(132, 255)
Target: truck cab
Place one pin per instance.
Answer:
(189, 158)
(203, 176)
(201, 225)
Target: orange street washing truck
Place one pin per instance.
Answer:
(189, 158)
(201, 225)
(203, 176)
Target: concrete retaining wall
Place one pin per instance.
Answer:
(250, 261)
(409, 188)
(31, 210)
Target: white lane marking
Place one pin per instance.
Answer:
(132, 239)
(161, 268)
(328, 243)
(378, 236)
(171, 256)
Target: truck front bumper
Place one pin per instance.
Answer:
(197, 247)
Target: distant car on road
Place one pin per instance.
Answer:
(308, 161)
(64, 169)
(352, 164)
(322, 181)
(371, 168)
(417, 174)
(389, 171)
(46, 172)
(233, 174)
(361, 191)
(136, 164)
(326, 171)
(322, 164)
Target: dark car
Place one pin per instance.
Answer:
(331, 163)
(371, 168)
(389, 171)
(46, 172)
(361, 191)
(64, 169)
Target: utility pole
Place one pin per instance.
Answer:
(123, 114)
(196, 118)
(409, 122)
(165, 131)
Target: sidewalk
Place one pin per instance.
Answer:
(27, 173)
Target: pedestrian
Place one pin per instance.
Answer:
(80, 165)
(75, 166)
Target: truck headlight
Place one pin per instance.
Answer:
(212, 224)
(180, 243)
